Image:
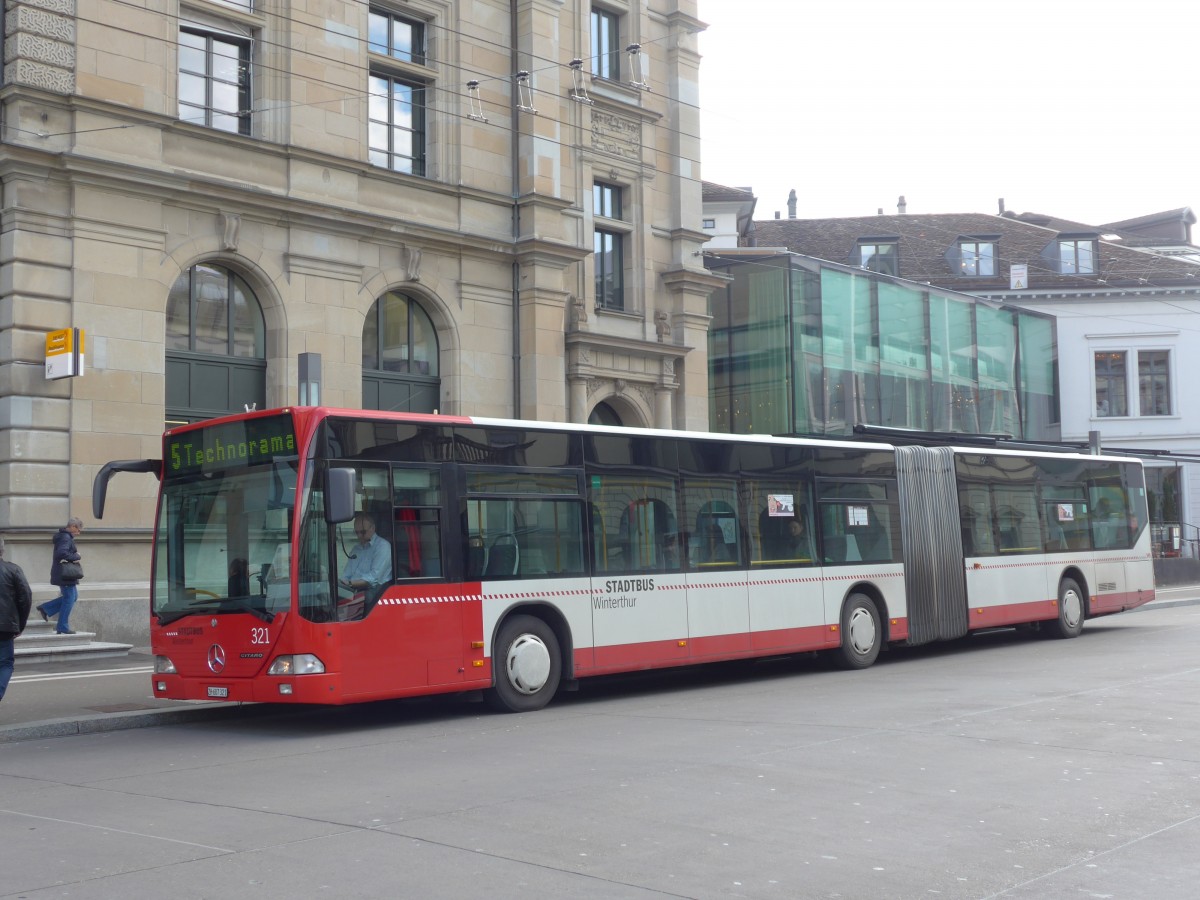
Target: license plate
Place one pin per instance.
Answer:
(218, 692)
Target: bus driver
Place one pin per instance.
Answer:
(370, 565)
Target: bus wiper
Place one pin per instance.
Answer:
(242, 605)
(199, 607)
(166, 618)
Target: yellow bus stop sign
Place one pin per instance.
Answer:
(64, 353)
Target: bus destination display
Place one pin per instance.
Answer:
(231, 445)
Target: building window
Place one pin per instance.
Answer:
(606, 44)
(1154, 383)
(1111, 393)
(396, 134)
(397, 37)
(214, 80)
(977, 259)
(879, 256)
(397, 124)
(609, 247)
(710, 224)
(1077, 257)
(216, 346)
(399, 356)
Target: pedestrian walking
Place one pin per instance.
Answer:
(15, 601)
(66, 580)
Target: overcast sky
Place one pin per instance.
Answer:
(1083, 110)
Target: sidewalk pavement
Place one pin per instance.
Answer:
(87, 696)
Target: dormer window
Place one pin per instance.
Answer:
(976, 258)
(1077, 256)
(879, 255)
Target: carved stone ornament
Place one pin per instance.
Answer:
(231, 225)
(40, 75)
(662, 325)
(616, 135)
(41, 22)
(39, 47)
(668, 367)
(577, 314)
(411, 257)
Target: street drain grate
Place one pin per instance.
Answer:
(120, 707)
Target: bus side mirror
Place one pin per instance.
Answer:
(339, 495)
(100, 484)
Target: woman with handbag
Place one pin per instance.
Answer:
(65, 572)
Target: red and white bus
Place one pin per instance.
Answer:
(323, 555)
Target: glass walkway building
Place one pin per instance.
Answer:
(799, 345)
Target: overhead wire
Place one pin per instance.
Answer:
(544, 64)
(1147, 270)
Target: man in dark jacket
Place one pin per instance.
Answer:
(64, 551)
(15, 601)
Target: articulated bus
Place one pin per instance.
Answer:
(319, 555)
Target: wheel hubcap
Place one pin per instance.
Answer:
(528, 664)
(862, 631)
(1072, 609)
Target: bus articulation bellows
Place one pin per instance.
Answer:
(320, 555)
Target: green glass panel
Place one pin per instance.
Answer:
(904, 394)
(761, 353)
(1039, 400)
(996, 342)
(806, 349)
(952, 363)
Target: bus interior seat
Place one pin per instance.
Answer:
(840, 548)
(477, 556)
(504, 556)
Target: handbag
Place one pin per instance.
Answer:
(70, 570)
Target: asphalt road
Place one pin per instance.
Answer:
(1003, 765)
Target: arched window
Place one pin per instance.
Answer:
(216, 345)
(399, 356)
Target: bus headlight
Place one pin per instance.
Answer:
(297, 664)
(163, 666)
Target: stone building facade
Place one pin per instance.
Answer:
(486, 207)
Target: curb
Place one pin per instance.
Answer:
(1163, 604)
(215, 712)
(99, 724)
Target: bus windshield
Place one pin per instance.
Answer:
(224, 532)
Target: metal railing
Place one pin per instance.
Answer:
(1172, 540)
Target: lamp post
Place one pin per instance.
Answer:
(309, 372)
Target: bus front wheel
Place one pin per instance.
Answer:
(1070, 610)
(862, 635)
(527, 666)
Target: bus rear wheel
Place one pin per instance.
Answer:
(862, 636)
(1070, 610)
(526, 664)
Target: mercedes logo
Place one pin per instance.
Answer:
(216, 659)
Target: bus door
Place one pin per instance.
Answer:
(1111, 536)
(523, 534)
(860, 533)
(1002, 539)
(787, 608)
(400, 623)
(639, 597)
(1067, 528)
(718, 601)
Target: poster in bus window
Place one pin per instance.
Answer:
(858, 516)
(780, 505)
(1066, 512)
